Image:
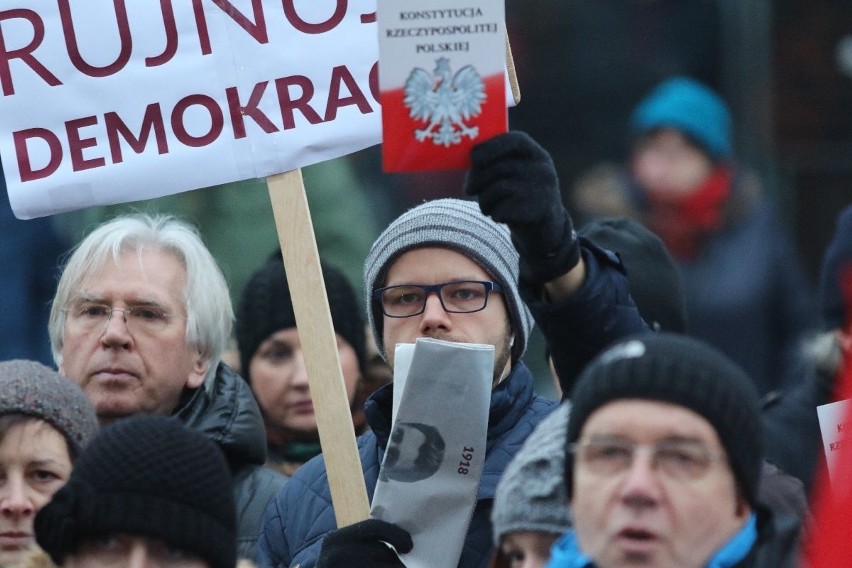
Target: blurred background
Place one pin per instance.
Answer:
(784, 67)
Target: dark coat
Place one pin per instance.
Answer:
(302, 513)
(747, 293)
(600, 313)
(791, 427)
(226, 412)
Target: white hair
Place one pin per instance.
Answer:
(210, 314)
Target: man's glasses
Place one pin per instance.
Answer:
(462, 297)
(676, 459)
(146, 319)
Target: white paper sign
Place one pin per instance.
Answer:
(108, 101)
(834, 425)
(442, 80)
(429, 479)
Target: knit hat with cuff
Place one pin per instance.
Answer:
(684, 371)
(690, 107)
(33, 389)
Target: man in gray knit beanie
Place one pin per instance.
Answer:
(466, 271)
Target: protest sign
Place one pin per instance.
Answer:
(429, 478)
(834, 426)
(109, 101)
(442, 80)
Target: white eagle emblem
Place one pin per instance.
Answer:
(445, 101)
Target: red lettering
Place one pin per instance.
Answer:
(374, 83)
(74, 49)
(256, 29)
(238, 111)
(21, 151)
(25, 53)
(297, 22)
(170, 27)
(151, 122)
(76, 144)
(341, 75)
(288, 105)
(217, 120)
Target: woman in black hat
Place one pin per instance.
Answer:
(271, 359)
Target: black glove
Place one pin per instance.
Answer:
(363, 545)
(515, 182)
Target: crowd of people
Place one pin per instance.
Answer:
(688, 354)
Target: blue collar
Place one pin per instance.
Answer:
(566, 552)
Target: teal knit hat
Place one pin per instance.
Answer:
(690, 107)
(461, 226)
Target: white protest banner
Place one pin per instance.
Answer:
(429, 478)
(834, 426)
(109, 101)
(442, 80)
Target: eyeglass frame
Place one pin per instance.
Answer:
(711, 455)
(75, 312)
(490, 286)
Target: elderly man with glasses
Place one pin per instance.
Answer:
(466, 272)
(140, 319)
(663, 463)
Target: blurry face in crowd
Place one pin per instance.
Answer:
(34, 464)
(667, 163)
(128, 551)
(675, 509)
(136, 362)
(279, 379)
(527, 549)
(434, 265)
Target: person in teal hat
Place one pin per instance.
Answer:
(746, 290)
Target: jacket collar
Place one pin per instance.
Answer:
(508, 401)
(228, 414)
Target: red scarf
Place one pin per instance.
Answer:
(683, 222)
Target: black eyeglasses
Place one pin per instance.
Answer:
(462, 297)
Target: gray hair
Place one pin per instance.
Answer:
(210, 314)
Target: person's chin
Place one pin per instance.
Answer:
(13, 550)
(110, 408)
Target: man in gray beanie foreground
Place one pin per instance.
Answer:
(663, 460)
(466, 272)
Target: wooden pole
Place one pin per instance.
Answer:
(513, 76)
(316, 333)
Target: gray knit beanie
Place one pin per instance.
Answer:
(33, 389)
(458, 225)
(531, 495)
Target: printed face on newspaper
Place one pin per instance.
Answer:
(429, 479)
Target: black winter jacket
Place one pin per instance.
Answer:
(226, 412)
